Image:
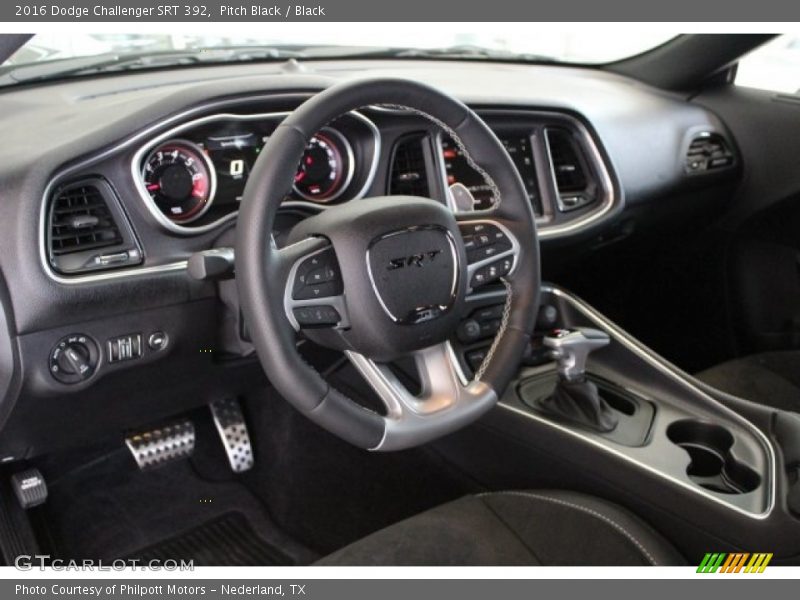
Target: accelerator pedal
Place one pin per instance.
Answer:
(162, 445)
(229, 420)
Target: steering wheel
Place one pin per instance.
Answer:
(386, 277)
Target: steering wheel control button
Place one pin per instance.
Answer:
(74, 358)
(126, 347)
(317, 277)
(158, 340)
(483, 241)
(492, 272)
(317, 316)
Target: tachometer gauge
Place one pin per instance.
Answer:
(326, 168)
(180, 180)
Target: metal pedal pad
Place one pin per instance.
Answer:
(232, 430)
(29, 488)
(162, 445)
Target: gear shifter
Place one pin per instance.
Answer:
(575, 398)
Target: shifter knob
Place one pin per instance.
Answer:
(571, 347)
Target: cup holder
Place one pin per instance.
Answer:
(712, 465)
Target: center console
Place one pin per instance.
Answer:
(639, 423)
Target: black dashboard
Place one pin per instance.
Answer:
(140, 172)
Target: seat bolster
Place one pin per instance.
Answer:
(568, 528)
(514, 528)
(770, 378)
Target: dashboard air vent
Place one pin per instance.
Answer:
(80, 220)
(570, 171)
(86, 230)
(708, 152)
(409, 176)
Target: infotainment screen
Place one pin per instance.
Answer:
(458, 170)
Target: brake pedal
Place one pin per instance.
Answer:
(229, 420)
(162, 445)
(29, 488)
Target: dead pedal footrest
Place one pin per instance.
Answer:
(229, 420)
(162, 445)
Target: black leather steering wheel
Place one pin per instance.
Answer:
(394, 273)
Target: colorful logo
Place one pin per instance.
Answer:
(736, 562)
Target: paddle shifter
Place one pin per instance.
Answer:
(575, 398)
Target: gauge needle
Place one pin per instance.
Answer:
(153, 187)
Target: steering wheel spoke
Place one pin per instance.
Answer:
(314, 295)
(492, 250)
(447, 400)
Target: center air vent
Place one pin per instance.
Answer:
(87, 231)
(708, 152)
(409, 175)
(570, 171)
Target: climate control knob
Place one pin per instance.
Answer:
(74, 358)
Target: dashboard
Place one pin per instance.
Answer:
(141, 172)
(189, 179)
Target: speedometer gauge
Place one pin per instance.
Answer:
(326, 168)
(180, 180)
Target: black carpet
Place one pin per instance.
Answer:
(308, 494)
(108, 509)
(325, 492)
(227, 541)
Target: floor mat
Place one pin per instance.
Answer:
(227, 541)
(109, 509)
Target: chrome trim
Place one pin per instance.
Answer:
(604, 179)
(168, 224)
(447, 401)
(456, 267)
(138, 158)
(289, 303)
(212, 174)
(351, 167)
(676, 374)
(544, 229)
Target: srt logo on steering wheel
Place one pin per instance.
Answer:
(417, 260)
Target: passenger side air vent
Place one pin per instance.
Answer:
(86, 230)
(409, 173)
(570, 170)
(708, 152)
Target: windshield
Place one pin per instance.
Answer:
(468, 41)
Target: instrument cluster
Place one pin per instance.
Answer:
(194, 175)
